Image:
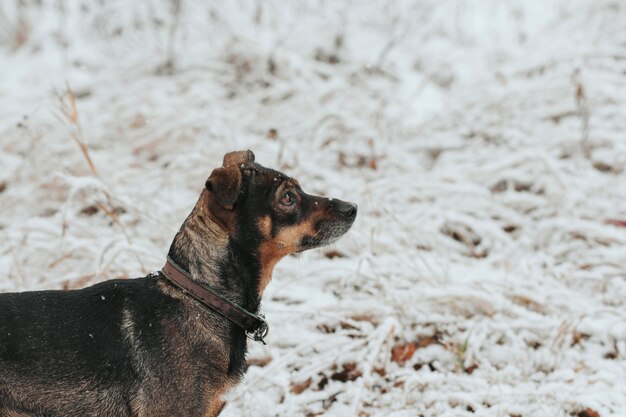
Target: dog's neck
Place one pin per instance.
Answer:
(203, 248)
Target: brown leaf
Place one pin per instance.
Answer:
(89, 210)
(366, 317)
(402, 352)
(299, 387)
(424, 341)
(272, 134)
(323, 382)
(578, 338)
(470, 369)
(332, 254)
(528, 303)
(79, 282)
(260, 362)
(349, 373)
(326, 328)
(347, 326)
(138, 121)
(610, 355)
(617, 222)
(588, 412)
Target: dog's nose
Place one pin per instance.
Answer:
(346, 209)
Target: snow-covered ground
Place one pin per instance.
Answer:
(484, 141)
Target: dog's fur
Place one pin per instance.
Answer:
(144, 348)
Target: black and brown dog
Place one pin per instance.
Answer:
(146, 347)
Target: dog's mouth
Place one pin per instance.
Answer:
(328, 232)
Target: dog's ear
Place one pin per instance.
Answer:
(239, 158)
(225, 184)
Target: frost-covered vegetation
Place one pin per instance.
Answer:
(484, 141)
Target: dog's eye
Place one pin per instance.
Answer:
(287, 199)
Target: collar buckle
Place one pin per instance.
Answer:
(260, 333)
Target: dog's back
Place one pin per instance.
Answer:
(78, 350)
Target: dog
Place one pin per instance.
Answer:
(171, 343)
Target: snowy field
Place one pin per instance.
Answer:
(484, 141)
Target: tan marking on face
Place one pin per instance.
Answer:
(273, 250)
(265, 226)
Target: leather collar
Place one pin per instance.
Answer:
(253, 325)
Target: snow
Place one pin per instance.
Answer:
(483, 141)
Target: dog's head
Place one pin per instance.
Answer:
(267, 213)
